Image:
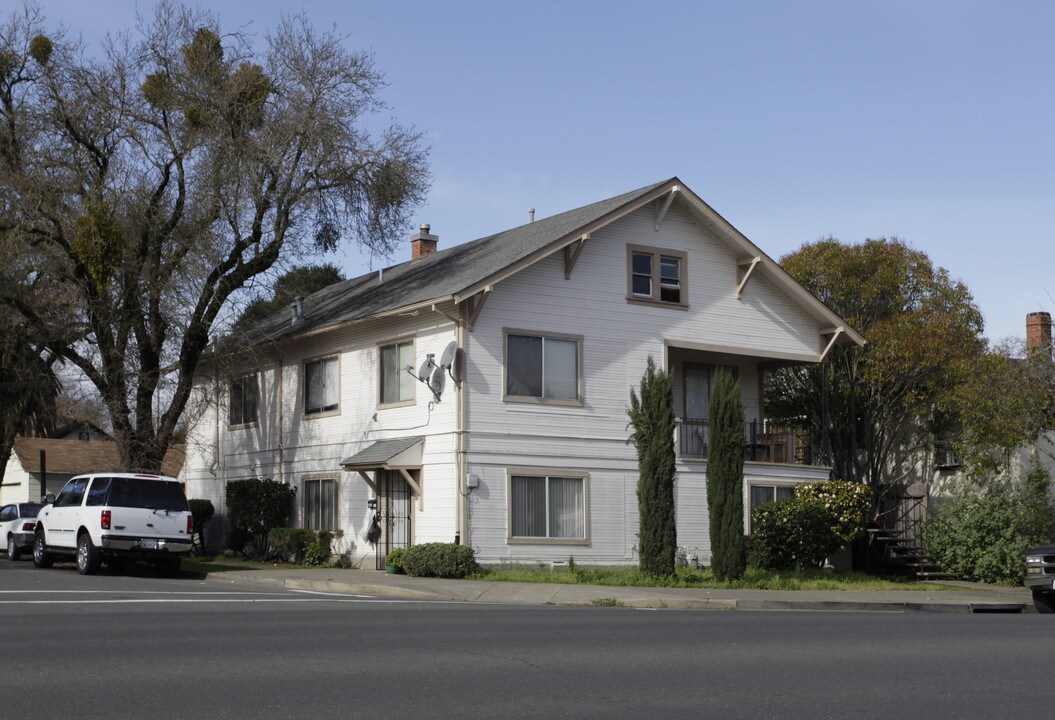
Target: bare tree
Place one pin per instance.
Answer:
(153, 183)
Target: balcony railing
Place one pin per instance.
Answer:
(762, 443)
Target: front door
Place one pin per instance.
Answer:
(394, 509)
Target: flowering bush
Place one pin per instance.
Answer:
(846, 502)
(791, 533)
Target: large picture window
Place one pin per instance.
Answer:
(321, 386)
(658, 276)
(320, 504)
(397, 385)
(244, 398)
(547, 507)
(543, 367)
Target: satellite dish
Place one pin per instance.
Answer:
(447, 360)
(436, 383)
(449, 353)
(426, 369)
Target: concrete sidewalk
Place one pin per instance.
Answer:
(961, 597)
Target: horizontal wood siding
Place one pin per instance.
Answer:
(288, 446)
(618, 336)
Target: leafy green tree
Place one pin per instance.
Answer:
(298, 282)
(1006, 401)
(154, 181)
(869, 409)
(652, 419)
(725, 478)
(254, 508)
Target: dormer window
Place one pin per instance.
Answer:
(656, 276)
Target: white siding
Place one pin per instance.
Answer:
(618, 336)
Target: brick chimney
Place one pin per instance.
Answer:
(423, 244)
(1038, 332)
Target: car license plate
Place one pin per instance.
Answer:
(149, 544)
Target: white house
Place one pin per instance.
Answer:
(518, 448)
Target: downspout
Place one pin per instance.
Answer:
(281, 423)
(462, 442)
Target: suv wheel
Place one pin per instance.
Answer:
(13, 552)
(41, 557)
(1044, 601)
(88, 558)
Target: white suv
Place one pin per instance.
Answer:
(119, 517)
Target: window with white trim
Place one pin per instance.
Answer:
(396, 384)
(655, 275)
(320, 504)
(321, 386)
(543, 367)
(549, 507)
(244, 397)
(762, 494)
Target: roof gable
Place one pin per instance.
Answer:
(459, 272)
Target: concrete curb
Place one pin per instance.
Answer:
(423, 589)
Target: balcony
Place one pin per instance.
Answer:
(762, 442)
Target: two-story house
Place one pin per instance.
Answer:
(478, 394)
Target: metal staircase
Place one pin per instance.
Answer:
(896, 539)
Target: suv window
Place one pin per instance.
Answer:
(145, 493)
(71, 494)
(97, 493)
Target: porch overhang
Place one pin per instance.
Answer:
(399, 454)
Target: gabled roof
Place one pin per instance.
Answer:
(71, 457)
(461, 271)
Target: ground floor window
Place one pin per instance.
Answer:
(320, 504)
(762, 494)
(547, 507)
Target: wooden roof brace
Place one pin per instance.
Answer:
(414, 487)
(476, 304)
(835, 333)
(750, 265)
(572, 256)
(666, 206)
(369, 481)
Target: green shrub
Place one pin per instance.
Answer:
(202, 512)
(847, 503)
(289, 544)
(298, 545)
(256, 506)
(791, 533)
(396, 557)
(983, 535)
(443, 560)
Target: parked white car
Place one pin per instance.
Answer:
(116, 517)
(17, 523)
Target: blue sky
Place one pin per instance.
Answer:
(930, 120)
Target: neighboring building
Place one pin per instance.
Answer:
(519, 448)
(57, 460)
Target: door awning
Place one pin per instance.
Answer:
(400, 454)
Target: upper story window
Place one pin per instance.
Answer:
(397, 385)
(244, 398)
(543, 368)
(322, 389)
(657, 276)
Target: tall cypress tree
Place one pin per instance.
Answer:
(652, 417)
(725, 478)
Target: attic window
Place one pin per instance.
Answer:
(657, 276)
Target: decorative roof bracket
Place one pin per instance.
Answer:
(835, 332)
(476, 304)
(666, 206)
(572, 256)
(750, 265)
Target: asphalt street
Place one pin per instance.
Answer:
(138, 646)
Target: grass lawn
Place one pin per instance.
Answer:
(754, 579)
